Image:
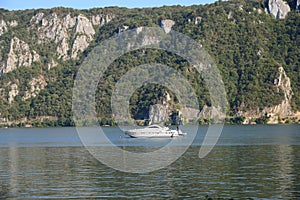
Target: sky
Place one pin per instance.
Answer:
(85, 4)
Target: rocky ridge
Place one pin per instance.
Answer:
(71, 35)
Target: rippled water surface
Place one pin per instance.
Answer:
(261, 162)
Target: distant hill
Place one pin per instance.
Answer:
(256, 45)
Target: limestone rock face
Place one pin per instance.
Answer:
(278, 8)
(19, 55)
(85, 33)
(283, 84)
(59, 30)
(122, 29)
(13, 23)
(190, 114)
(52, 64)
(282, 110)
(211, 112)
(167, 24)
(80, 44)
(3, 27)
(195, 20)
(198, 20)
(13, 92)
(36, 85)
(159, 113)
(101, 19)
(70, 34)
(53, 29)
(62, 49)
(84, 26)
(37, 18)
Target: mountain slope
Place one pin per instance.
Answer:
(257, 55)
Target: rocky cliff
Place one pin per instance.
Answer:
(20, 55)
(160, 113)
(3, 27)
(167, 24)
(71, 35)
(68, 35)
(59, 30)
(278, 8)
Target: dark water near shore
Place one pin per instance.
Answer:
(261, 162)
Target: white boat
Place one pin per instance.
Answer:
(154, 131)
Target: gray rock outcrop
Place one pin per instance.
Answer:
(52, 28)
(84, 26)
(80, 44)
(195, 20)
(85, 33)
(190, 114)
(3, 27)
(278, 8)
(13, 92)
(122, 29)
(283, 84)
(13, 23)
(36, 85)
(166, 25)
(159, 113)
(52, 64)
(101, 19)
(282, 110)
(19, 55)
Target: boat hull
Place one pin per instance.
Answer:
(160, 135)
(154, 135)
(154, 131)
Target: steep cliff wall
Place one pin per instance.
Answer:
(19, 55)
(69, 34)
(52, 28)
(160, 113)
(278, 8)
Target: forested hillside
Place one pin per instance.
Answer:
(257, 53)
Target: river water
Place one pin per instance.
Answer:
(259, 162)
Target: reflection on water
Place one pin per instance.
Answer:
(285, 171)
(257, 171)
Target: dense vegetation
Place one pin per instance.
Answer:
(248, 46)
